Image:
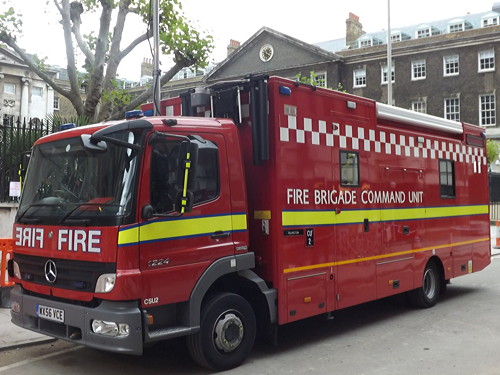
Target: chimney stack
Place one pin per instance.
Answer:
(354, 29)
(147, 67)
(233, 46)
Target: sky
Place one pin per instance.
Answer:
(311, 21)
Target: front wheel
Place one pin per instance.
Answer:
(427, 295)
(227, 332)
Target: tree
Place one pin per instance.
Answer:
(103, 52)
(492, 150)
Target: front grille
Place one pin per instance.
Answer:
(71, 274)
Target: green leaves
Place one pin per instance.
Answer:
(103, 49)
(10, 23)
(492, 150)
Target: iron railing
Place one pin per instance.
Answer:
(17, 137)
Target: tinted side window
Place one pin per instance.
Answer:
(206, 185)
(349, 168)
(164, 167)
(447, 178)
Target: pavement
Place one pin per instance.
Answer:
(12, 336)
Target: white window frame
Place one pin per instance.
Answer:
(487, 110)
(366, 42)
(384, 75)
(486, 58)
(452, 108)
(57, 103)
(418, 70)
(490, 21)
(321, 79)
(419, 105)
(9, 88)
(37, 91)
(423, 33)
(359, 77)
(451, 65)
(396, 37)
(456, 27)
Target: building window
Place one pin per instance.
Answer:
(57, 103)
(447, 178)
(418, 70)
(384, 74)
(452, 109)
(456, 27)
(451, 65)
(9, 88)
(318, 79)
(349, 168)
(423, 33)
(37, 91)
(419, 105)
(490, 21)
(360, 77)
(366, 43)
(487, 110)
(486, 60)
(396, 37)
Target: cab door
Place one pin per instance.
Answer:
(176, 249)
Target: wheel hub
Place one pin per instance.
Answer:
(429, 284)
(228, 332)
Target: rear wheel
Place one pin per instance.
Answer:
(427, 295)
(227, 332)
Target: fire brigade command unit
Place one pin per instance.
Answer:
(266, 202)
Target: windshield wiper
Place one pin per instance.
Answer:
(29, 220)
(66, 219)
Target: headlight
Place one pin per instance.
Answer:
(102, 327)
(13, 269)
(105, 283)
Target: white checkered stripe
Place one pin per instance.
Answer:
(320, 133)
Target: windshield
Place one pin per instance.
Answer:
(68, 183)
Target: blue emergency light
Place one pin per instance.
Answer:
(67, 126)
(133, 114)
(283, 90)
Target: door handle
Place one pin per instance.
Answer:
(219, 234)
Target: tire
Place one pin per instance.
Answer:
(227, 332)
(428, 294)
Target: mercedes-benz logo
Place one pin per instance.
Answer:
(50, 271)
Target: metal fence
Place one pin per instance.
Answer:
(17, 137)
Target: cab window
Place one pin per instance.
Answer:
(164, 168)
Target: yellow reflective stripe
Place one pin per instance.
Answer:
(182, 227)
(239, 222)
(128, 236)
(312, 218)
(262, 215)
(375, 257)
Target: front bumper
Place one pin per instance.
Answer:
(77, 326)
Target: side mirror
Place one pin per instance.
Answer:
(147, 212)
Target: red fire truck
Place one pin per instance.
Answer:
(266, 202)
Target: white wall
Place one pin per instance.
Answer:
(7, 214)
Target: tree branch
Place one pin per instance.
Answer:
(70, 55)
(135, 43)
(33, 66)
(148, 93)
(81, 43)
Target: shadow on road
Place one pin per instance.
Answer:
(172, 357)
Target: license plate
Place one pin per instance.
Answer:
(50, 313)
